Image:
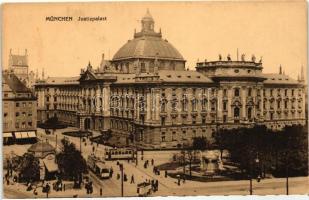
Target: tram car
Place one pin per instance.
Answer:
(119, 154)
(99, 167)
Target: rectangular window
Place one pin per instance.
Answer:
(24, 104)
(17, 125)
(162, 121)
(193, 120)
(224, 106)
(224, 118)
(194, 133)
(17, 114)
(183, 135)
(203, 120)
(163, 136)
(174, 136)
(30, 124)
(17, 104)
(5, 114)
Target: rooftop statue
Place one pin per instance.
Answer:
(220, 57)
(253, 58)
(243, 57)
(229, 57)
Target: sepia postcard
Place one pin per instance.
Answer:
(145, 99)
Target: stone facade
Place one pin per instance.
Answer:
(146, 96)
(19, 108)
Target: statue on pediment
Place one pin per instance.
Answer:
(243, 57)
(253, 58)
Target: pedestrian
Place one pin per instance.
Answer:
(178, 178)
(152, 162)
(64, 187)
(132, 179)
(152, 185)
(125, 178)
(157, 185)
(91, 187)
(101, 192)
(118, 176)
(93, 149)
(165, 174)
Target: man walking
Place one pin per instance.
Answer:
(132, 179)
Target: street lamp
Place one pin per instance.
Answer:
(256, 162)
(121, 169)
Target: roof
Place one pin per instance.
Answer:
(279, 79)
(148, 47)
(125, 78)
(14, 83)
(19, 60)
(183, 76)
(60, 81)
(168, 76)
(41, 147)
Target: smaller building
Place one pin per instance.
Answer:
(19, 111)
(18, 64)
(46, 154)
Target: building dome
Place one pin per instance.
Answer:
(148, 47)
(41, 149)
(148, 44)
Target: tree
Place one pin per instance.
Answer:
(29, 168)
(200, 143)
(272, 148)
(70, 161)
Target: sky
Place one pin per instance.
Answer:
(277, 31)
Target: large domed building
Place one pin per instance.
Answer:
(148, 47)
(145, 96)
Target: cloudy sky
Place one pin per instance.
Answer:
(275, 31)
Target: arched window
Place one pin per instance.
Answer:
(249, 113)
(236, 112)
(236, 92)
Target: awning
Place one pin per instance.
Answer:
(18, 135)
(21, 135)
(7, 135)
(31, 134)
(50, 165)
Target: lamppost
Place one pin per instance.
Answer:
(256, 163)
(121, 169)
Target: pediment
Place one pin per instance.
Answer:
(87, 76)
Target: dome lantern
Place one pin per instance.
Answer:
(147, 22)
